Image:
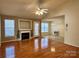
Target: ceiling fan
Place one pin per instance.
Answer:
(39, 10)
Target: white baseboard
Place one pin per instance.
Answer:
(72, 45)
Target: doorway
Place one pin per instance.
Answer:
(58, 28)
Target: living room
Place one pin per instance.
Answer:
(39, 29)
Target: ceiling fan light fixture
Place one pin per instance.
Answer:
(40, 11)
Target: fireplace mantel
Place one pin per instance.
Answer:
(24, 26)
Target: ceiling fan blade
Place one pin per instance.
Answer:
(45, 9)
(45, 12)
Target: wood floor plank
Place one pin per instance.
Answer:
(38, 48)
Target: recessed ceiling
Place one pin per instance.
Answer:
(25, 8)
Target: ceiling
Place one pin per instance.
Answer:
(26, 8)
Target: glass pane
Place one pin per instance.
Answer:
(44, 27)
(9, 28)
(36, 29)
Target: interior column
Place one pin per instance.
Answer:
(40, 34)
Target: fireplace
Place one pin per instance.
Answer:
(25, 35)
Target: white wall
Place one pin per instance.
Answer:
(58, 24)
(71, 12)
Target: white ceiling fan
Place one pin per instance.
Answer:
(40, 11)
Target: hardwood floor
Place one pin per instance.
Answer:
(38, 48)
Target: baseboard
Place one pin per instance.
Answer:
(72, 45)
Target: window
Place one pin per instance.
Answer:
(36, 29)
(9, 28)
(44, 27)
